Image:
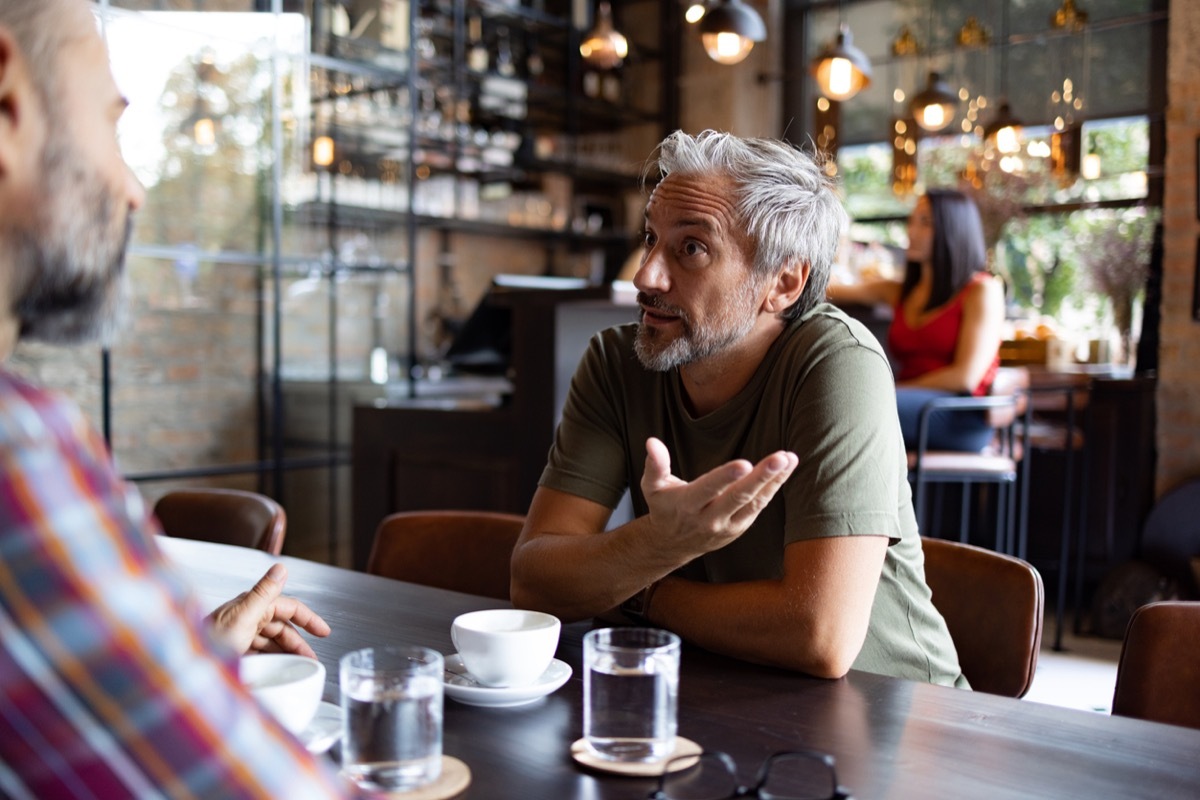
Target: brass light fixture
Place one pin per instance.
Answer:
(604, 47)
(933, 107)
(1068, 17)
(842, 70)
(729, 29)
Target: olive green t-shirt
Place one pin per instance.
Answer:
(823, 391)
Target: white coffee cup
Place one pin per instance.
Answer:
(287, 685)
(506, 646)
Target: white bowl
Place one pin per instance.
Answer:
(288, 686)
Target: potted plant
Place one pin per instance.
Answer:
(1117, 262)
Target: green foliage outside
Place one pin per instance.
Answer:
(1046, 258)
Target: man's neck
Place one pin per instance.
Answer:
(713, 382)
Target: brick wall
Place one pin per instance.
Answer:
(1178, 397)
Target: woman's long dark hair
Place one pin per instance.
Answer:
(958, 247)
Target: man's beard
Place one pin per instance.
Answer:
(69, 284)
(697, 341)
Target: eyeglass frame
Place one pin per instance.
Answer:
(839, 792)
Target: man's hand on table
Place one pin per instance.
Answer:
(264, 620)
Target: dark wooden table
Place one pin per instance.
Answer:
(891, 738)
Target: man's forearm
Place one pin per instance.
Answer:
(814, 619)
(584, 575)
(754, 621)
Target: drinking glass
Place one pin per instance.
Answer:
(392, 704)
(630, 687)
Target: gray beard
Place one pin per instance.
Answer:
(70, 284)
(695, 343)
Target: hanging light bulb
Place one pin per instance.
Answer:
(933, 107)
(729, 30)
(694, 13)
(842, 70)
(604, 47)
(1004, 130)
(323, 151)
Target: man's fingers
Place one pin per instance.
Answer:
(265, 592)
(289, 640)
(292, 610)
(658, 462)
(743, 502)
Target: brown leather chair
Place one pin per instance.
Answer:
(226, 516)
(998, 464)
(1158, 677)
(466, 551)
(992, 604)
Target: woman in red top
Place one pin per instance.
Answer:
(945, 333)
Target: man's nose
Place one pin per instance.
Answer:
(135, 190)
(651, 276)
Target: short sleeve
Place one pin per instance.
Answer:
(845, 429)
(588, 457)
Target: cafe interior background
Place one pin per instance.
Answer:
(321, 219)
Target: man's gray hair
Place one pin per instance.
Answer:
(783, 198)
(39, 30)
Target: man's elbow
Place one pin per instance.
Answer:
(831, 666)
(830, 659)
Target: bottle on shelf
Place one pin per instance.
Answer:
(477, 53)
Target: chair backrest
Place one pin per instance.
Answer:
(466, 551)
(227, 516)
(992, 604)
(1158, 677)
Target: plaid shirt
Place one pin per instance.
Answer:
(110, 685)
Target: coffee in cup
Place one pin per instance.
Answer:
(506, 647)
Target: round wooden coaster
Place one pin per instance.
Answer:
(455, 777)
(683, 747)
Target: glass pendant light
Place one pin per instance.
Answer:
(604, 47)
(933, 107)
(842, 70)
(729, 29)
(1005, 128)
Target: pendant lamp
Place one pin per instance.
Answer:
(604, 47)
(1004, 129)
(842, 70)
(729, 30)
(933, 107)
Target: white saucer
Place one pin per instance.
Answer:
(324, 730)
(462, 687)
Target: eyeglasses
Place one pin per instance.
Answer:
(792, 775)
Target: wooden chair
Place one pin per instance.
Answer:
(466, 551)
(998, 464)
(226, 516)
(1158, 677)
(992, 604)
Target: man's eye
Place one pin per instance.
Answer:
(649, 239)
(692, 248)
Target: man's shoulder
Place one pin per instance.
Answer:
(28, 411)
(826, 329)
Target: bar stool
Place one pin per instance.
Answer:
(1069, 439)
(998, 465)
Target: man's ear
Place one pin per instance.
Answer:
(788, 286)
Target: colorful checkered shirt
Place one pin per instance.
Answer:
(110, 686)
